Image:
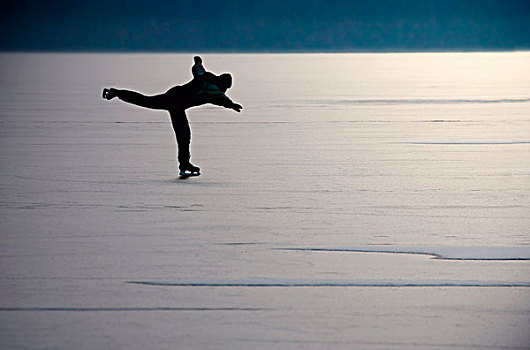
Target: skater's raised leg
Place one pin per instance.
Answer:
(136, 98)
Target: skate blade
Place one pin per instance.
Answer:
(186, 174)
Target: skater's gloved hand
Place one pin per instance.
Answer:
(236, 107)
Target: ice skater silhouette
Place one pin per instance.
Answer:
(204, 88)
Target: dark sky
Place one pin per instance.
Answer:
(264, 25)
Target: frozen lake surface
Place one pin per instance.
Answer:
(366, 201)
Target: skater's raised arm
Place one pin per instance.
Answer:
(200, 73)
(197, 70)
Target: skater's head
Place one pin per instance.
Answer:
(224, 82)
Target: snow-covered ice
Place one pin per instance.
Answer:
(336, 161)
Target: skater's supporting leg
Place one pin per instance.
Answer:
(183, 135)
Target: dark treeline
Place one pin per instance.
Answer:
(271, 25)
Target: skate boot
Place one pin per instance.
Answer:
(187, 170)
(109, 94)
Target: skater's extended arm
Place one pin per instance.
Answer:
(136, 98)
(224, 101)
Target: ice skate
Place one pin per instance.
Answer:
(109, 94)
(187, 170)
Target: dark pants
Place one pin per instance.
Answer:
(174, 102)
